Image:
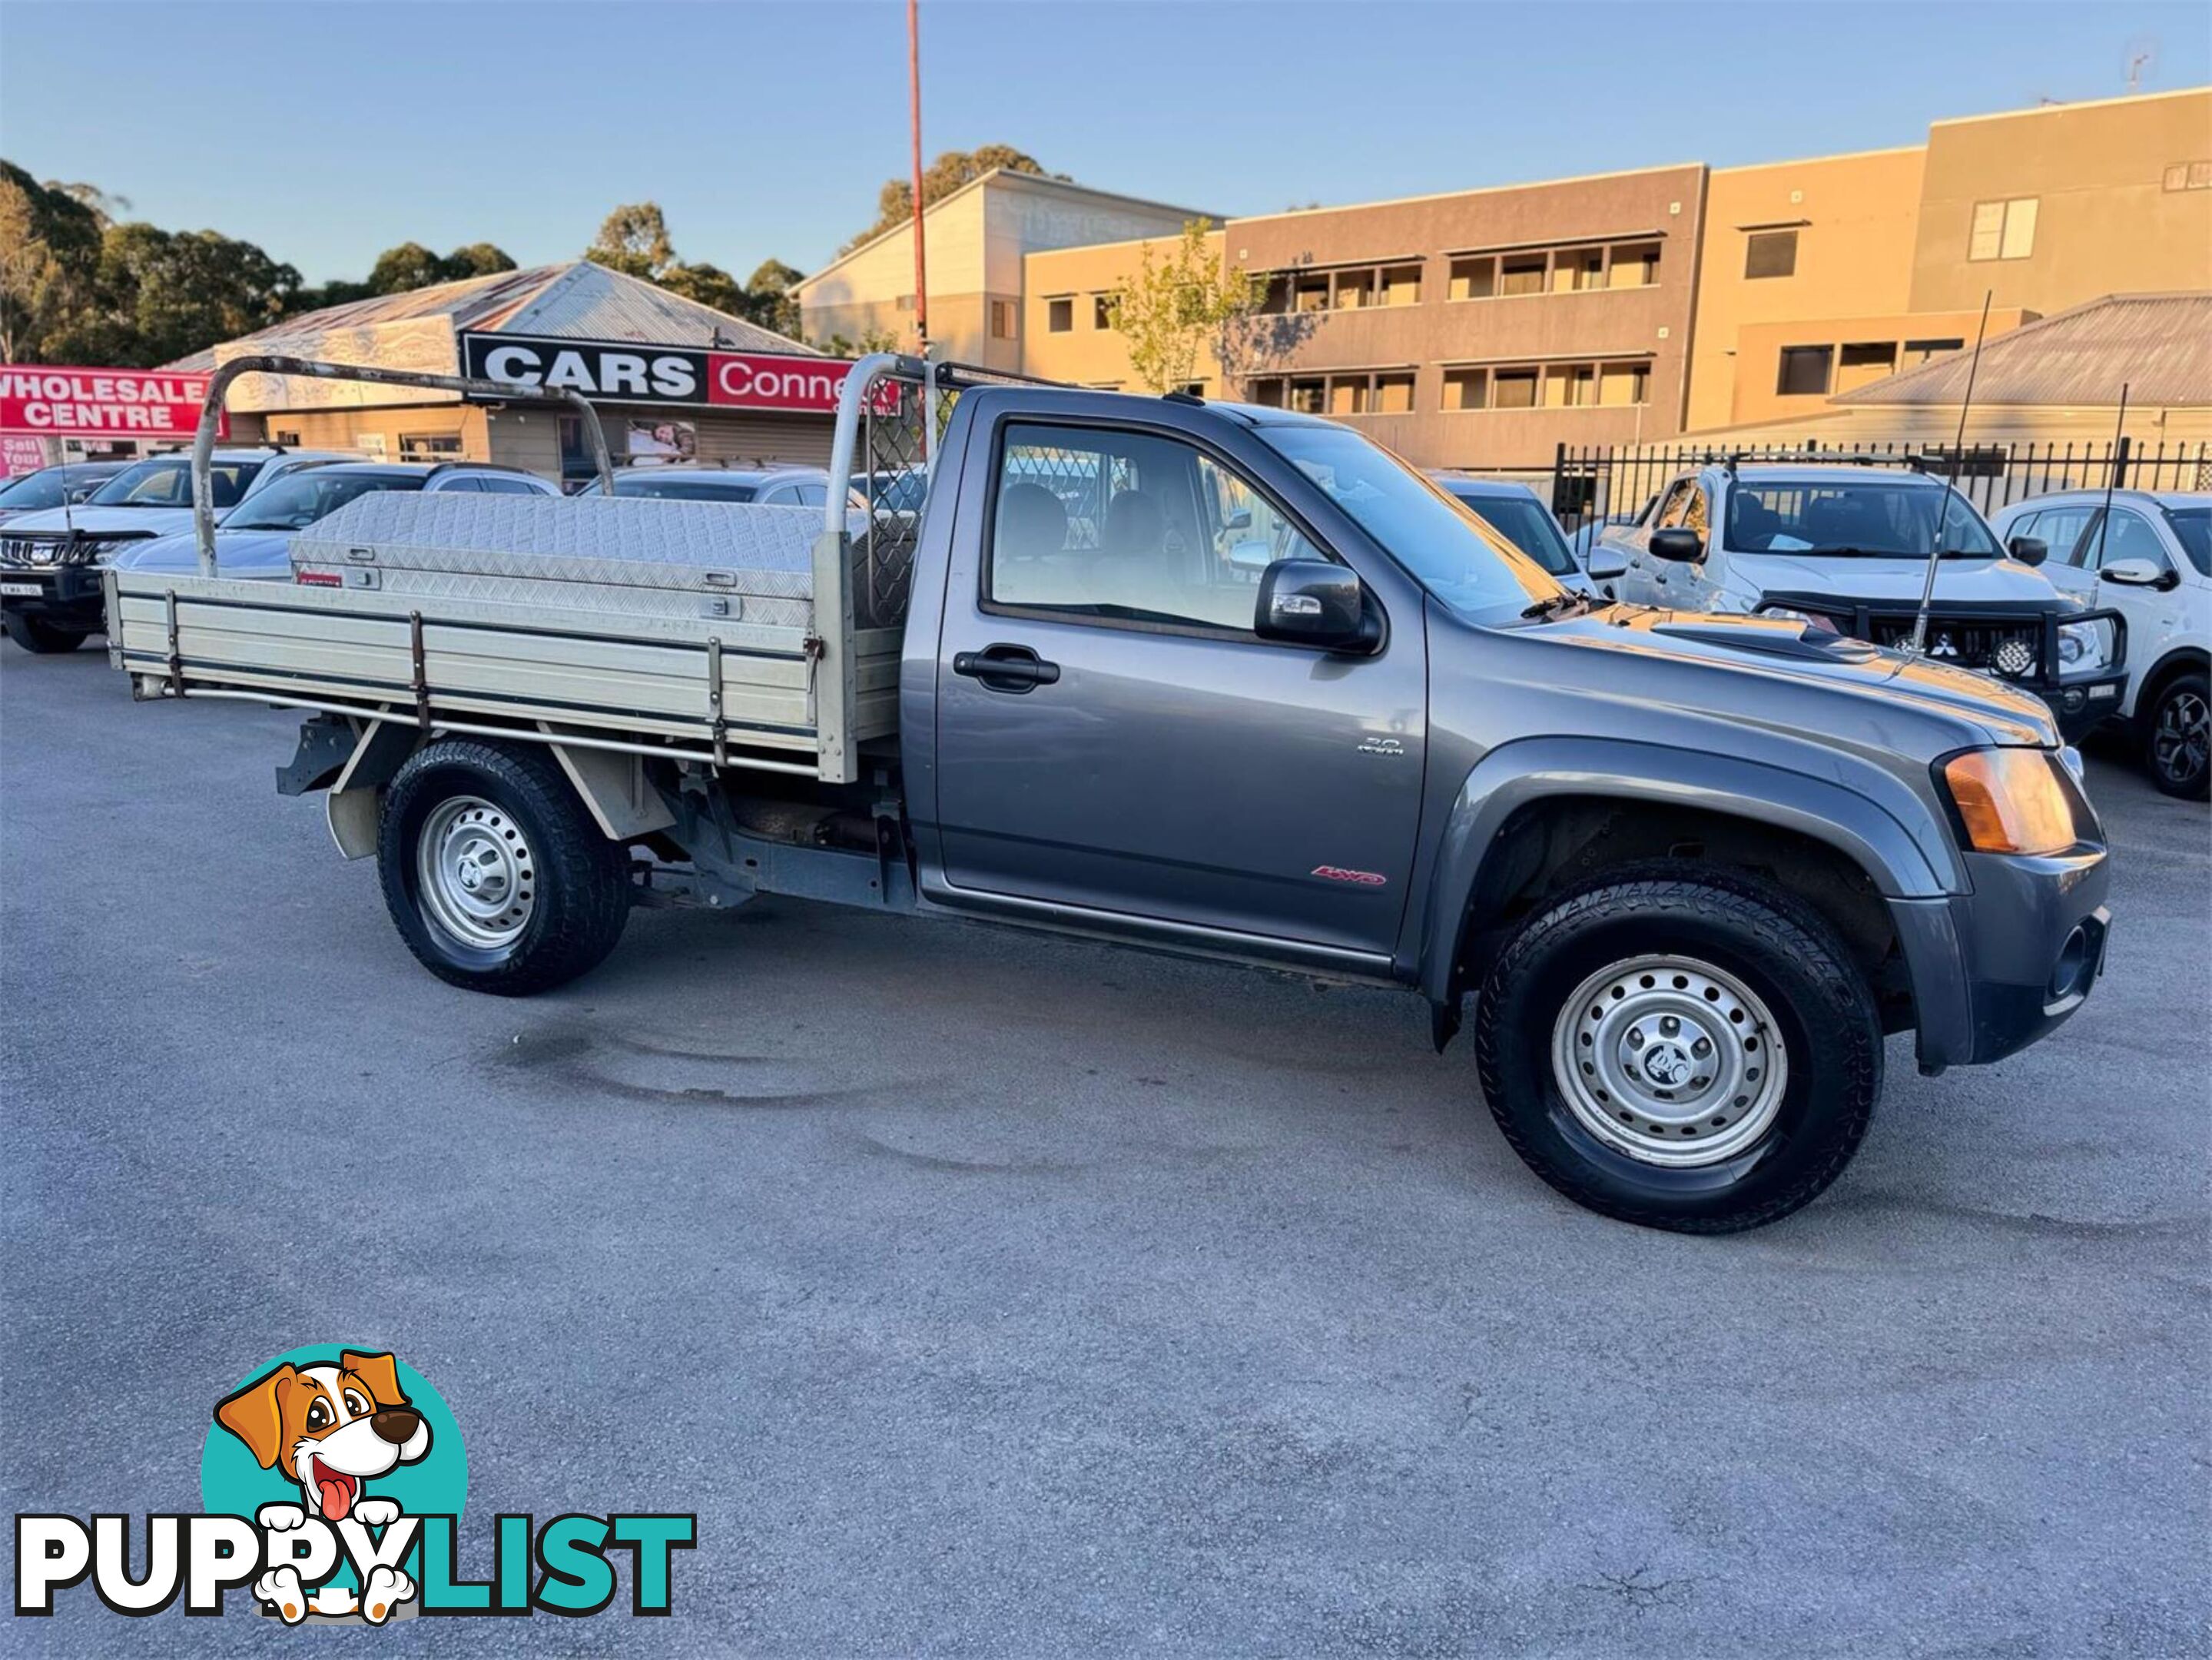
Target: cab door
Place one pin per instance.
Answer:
(1111, 733)
(1642, 586)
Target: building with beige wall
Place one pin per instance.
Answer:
(975, 240)
(1484, 328)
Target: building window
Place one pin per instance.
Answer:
(1513, 389)
(1570, 385)
(1769, 253)
(1401, 285)
(1522, 273)
(1355, 290)
(1623, 384)
(1347, 394)
(1307, 396)
(1576, 269)
(2003, 230)
(1804, 372)
(1919, 352)
(289, 441)
(2189, 175)
(1102, 311)
(1860, 364)
(430, 446)
(1467, 389)
(1002, 319)
(906, 302)
(1060, 315)
(1310, 292)
(1393, 393)
(1268, 393)
(1634, 266)
(1474, 279)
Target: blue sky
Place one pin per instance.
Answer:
(329, 131)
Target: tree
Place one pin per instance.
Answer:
(49, 257)
(634, 240)
(710, 285)
(160, 295)
(894, 201)
(1179, 303)
(478, 260)
(772, 298)
(411, 265)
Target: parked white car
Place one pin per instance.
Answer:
(255, 542)
(49, 561)
(2151, 561)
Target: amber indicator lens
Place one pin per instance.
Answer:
(2009, 801)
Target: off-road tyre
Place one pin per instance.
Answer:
(45, 638)
(577, 881)
(2178, 767)
(1781, 950)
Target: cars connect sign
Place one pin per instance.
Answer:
(47, 401)
(626, 372)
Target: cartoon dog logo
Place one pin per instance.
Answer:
(332, 1429)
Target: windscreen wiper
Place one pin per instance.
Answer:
(1559, 604)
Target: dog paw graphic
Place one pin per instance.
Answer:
(375, 1513)
(281, 1518)
(334, 1600)
(386, 1589)
(279, 1589)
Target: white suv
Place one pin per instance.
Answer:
(2151, 561)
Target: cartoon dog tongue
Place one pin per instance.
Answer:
(336, 1491)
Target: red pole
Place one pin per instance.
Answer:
(914, 100)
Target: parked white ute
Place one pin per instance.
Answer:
(2151, 561)
(1845, 545)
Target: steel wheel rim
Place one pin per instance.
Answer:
(2184, 732)
(1670, 1061)
(475, 874)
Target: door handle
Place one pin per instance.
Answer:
(1006, 668)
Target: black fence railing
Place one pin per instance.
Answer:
(1614, 482)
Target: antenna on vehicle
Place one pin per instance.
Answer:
(1950, 484)
(2112, 476)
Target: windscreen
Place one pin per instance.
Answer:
(293, 503)
(48, 487)
(1854, 518)
(1523, 522)
(2192, 528)
(168, 484)
(1453, 554)
(680, 486)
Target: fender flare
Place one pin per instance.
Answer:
(1866, 814)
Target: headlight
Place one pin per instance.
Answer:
(2009, 801)
(2085, 648)
(1811, 619)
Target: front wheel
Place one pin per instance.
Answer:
(2178, 739)
(494, 873)
(1692, 1050)
(35, 633)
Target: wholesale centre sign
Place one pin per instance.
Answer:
(623, 372)
(51, 402)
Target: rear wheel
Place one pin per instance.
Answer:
(2177, 737)
(1689, 1050)
(35, 633)
(494, 872)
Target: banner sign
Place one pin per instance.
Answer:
(624, 371)
(76, 403)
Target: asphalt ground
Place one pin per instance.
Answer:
(982, 1292)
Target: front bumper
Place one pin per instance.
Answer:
(66, 595)
(2080, 706)
(1998, 967)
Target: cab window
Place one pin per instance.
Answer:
(1131, 527)
(2060, 530)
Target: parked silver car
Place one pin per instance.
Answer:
(255, 542)
(1518, 513)
(767, 487)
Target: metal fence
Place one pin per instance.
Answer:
(1614, 482)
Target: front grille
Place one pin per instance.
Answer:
(2008, 646)
(43, 550)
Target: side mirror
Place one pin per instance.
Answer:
(1683, 546)
(2028, 550)
(1239, 519)
(1606, 563)
(1311, 602)
(2138, 574)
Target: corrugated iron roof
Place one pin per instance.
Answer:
(2158, 345)
(575, 300)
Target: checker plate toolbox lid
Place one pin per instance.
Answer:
(634, 556)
